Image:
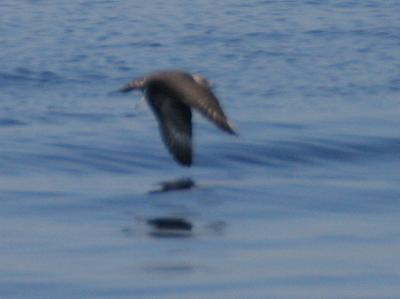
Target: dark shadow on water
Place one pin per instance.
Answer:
(164, 227)
(161, 227)
(174, 227)
(170, 223)
(169, 227)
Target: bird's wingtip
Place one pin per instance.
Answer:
(231, 129)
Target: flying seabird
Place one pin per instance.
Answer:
(171, 95)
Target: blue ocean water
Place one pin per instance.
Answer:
(304, 203)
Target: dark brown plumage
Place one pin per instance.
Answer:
(171, 95)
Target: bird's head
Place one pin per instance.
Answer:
(139, 83)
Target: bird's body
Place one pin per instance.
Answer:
(171, 95)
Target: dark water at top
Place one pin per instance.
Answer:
(305, 203)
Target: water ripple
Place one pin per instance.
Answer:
(114, 158)
(305, 152)
(11, 122)
(23, 75)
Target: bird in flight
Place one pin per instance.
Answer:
(171, 94)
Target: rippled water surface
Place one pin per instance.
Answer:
(305, 203)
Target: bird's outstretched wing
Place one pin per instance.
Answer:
(181, 86)
(175, 122)
(198, 96)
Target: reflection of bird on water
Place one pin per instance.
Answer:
(171, 95)
(179, 184)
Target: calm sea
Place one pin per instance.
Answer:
(305, 203)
